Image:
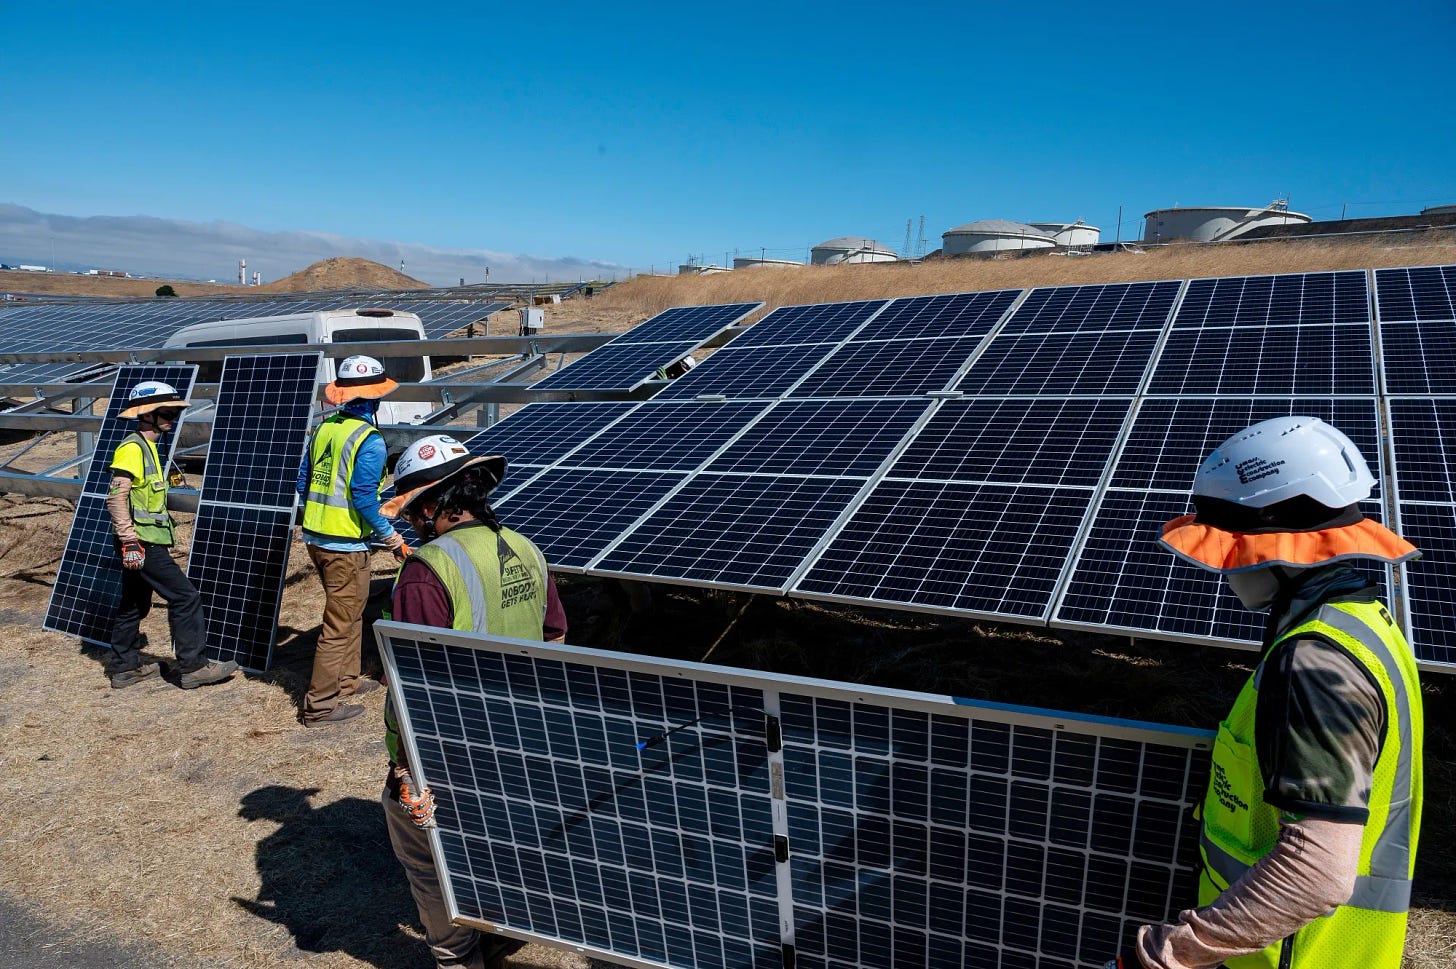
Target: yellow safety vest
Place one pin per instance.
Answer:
(497, 585)
(1239, 828)
(328, 508)
(148, 497)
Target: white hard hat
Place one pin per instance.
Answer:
(1285, 491)
(150, 395)
(688, 363)
(359, 376)
(431, 461)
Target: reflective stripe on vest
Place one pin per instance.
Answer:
(328, 507)
(1239, 828)
(149, 502)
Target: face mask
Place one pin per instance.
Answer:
(1258, 588)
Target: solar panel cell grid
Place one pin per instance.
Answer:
(1267, 360)
(982, 549)
(539, 434)
(1068, 309)
(899, 368)
(614, 367)
(1430, 610)
(1416, 293)
(1044, 364)
(573, 515)
(1423, 434)
(819, 323)
(747, 532)
(822, 437)
(1066, 441)
(759, 373)
(919, 832)
(675, 436)
(259, 427)
(687, 323)
(1419, 358)
(1309, 299)
(238, 562)
(947, 316)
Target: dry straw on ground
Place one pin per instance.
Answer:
(213, 826)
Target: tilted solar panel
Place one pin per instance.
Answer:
(1419, 358)
(680, 815)
(888, 368)
(243, 530)
(1097, 363)
(616, 367)
(1416, 293)
(836, 437)
(948, 316)
(690, 323)
(664, 436)
(815, 323)
(1118, 306)
(1266, 360)
(1423, 444)
(748, 373)
(1304, 298)
(88, 580)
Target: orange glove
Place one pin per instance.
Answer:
(420, 803)
(133, 556)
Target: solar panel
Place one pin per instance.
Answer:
(838, 437)
(787, 821)
(816, 323)
(539, 434)
(1416, 293)
(758, 372)
(1304, 298)
(617, 367)
(989, 550)
(1423, 442)
(88, 581)
(573, 515)
(1266, 360)
(895, 368)
(664, 436)
(732, 531)
(1070, 309)
(1419, 358)
(694, 323)
(243, 531)
(1096, 363)
(948, 316)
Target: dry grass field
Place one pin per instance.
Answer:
(207, 828)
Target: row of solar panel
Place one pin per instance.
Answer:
(799, 823)
(1033, 510)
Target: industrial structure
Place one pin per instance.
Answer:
(851, 249)
(994, 235)
(1216, 223)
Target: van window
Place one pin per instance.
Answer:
(407, 370)
(210, 371)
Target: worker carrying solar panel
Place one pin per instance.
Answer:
(145, 533)
(1313, 810)
(472, 573)
(340, 480)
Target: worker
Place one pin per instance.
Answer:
(474, 574)
(145, 533)
(1312, 814)
(676, 369)
(340, 481)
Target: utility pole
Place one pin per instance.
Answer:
(906, 250)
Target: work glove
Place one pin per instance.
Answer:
(418, 801)
(133, 556)
(395, 544)
(1124, 960)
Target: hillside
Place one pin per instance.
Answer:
(344, 273)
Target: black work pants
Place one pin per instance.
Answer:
(159, 574)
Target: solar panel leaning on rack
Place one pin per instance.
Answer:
(244, 525)
(631, 359)
(657, 813)
(87, 592)
(1417, 314)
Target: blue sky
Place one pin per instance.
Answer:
(632, 137)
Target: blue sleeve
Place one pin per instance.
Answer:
(303, 471)
(364, 486)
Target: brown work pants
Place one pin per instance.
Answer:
(345, 577)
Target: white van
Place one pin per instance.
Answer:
(324, 326)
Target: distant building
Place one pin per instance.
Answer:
(758, 262)
(1072, 235)
(851, 249)
(1216, 223)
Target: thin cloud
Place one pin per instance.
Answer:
(147, 246)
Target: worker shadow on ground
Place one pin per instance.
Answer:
(329, 876)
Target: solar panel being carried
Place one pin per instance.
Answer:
(659, 813)
(244, 524)
(88, 582)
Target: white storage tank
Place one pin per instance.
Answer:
(1070, 234)
(1439, 210)
(1215, 223)
(851, 249)
(994, 235)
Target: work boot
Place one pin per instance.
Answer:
(213, 672)
(365, 685)
(124, 678)
(340, 713)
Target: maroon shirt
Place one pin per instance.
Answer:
(420, 598)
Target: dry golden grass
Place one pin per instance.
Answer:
(647, 295)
